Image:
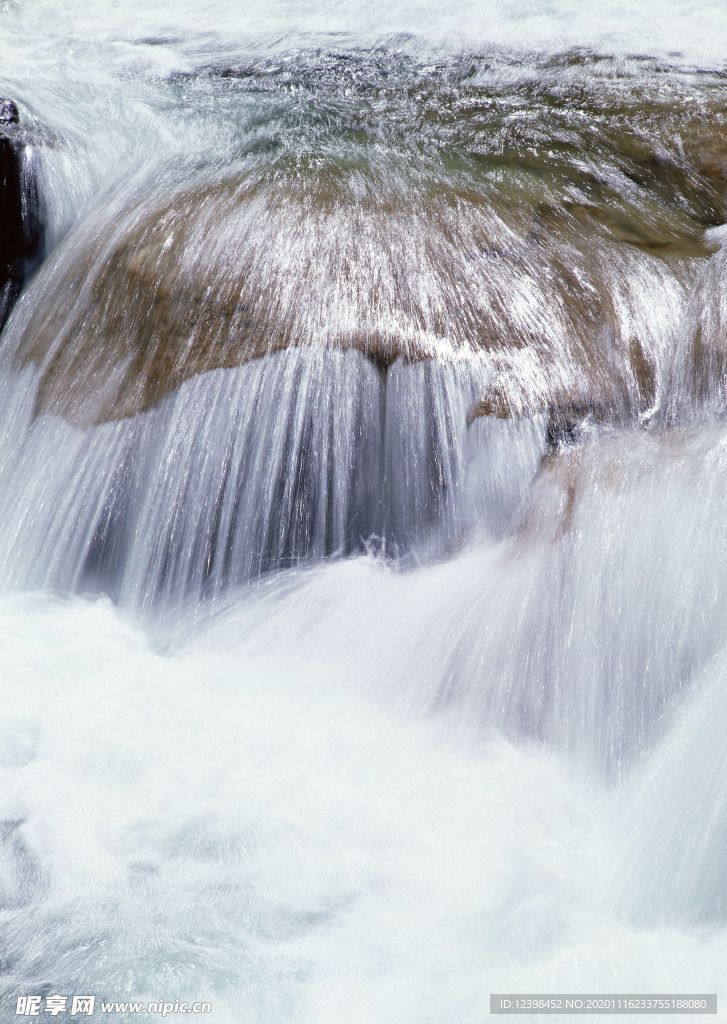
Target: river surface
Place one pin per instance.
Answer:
(339, 681)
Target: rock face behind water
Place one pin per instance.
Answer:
(704, 336)
(217, 273)
(20, 222)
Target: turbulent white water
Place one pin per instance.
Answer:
(317, 701)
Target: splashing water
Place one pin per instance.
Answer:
(362, 547)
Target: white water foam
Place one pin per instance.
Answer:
(658, 28)
(242, 824)
(365, 791)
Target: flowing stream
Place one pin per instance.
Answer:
(363, 508)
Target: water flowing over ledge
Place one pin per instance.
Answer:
(362, 474)
(292, 457)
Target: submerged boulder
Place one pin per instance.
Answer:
(212, 274)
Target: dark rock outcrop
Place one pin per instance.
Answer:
(21, 233)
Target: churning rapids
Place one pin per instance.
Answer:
(363, 507)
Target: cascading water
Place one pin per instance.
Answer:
(362, 546)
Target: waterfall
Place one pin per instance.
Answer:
(363, 555)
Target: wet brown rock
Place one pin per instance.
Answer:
(705, 144)
(225, 273)
(601, 395)
(705, 333)
(219, 273)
